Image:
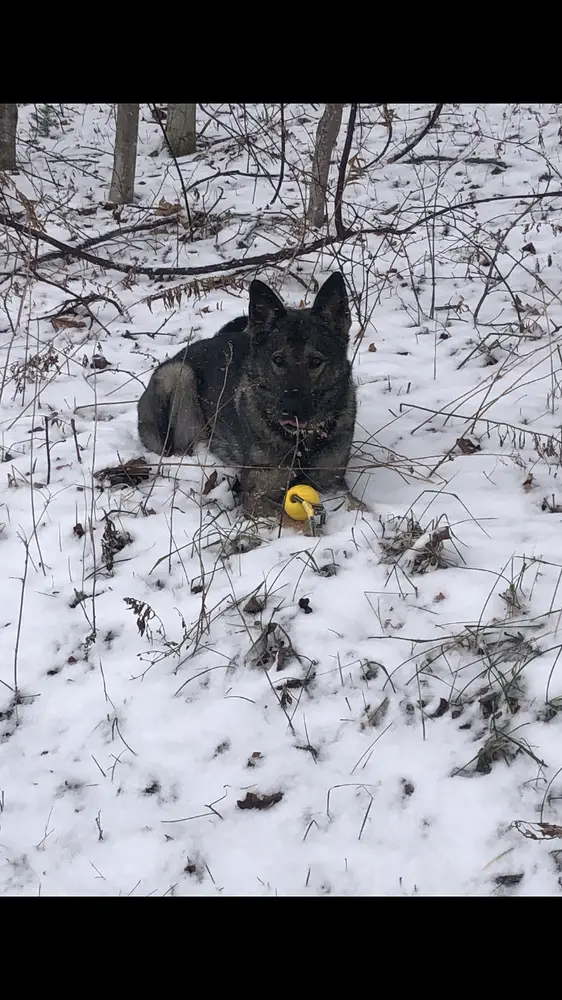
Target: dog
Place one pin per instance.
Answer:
(271, 393)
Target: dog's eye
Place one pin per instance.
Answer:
(278, 360)
(315, 362)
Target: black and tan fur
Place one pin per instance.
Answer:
(271, 393)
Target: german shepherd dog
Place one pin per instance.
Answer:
(271, 393)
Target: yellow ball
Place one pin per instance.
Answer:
(294, 508)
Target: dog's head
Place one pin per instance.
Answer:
(299, 366)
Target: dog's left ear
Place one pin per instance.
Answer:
(265, 308)
(332, 306)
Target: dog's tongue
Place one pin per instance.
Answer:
(293, 422)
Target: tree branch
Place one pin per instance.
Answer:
(264, 259)
(340, 228)
(418, 138)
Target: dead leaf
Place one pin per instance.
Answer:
(67, 323)
(253, 800)
(538, 831)
(509, 880)
(375, 717)
(254, 606)
(130, 473)
(439, 597)
(527, 485)
(467, 446)
(113, 541)
(441, 709)
(167, 208)
(329, 569)
(372, 348)
(98, 362)
(210, 483)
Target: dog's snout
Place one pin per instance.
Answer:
(295, 404)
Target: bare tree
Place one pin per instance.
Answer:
(180, 129)
(125, 155)
(8, 128)
(326, 138)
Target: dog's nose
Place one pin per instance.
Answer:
(295, 405)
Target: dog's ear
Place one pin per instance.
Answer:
(265, 307)
(332, 306)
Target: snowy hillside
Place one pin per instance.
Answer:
(172, 720)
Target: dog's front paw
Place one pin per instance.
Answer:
(258, 505)
(354, 503)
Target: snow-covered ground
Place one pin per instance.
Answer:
(411, 739)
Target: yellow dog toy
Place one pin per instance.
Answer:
(302, 503)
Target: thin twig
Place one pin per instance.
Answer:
(282, 167)
(46, 419)
(420, 135)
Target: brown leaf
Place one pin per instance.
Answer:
(67, 323)
(130, 473)
(509, 880)
(527, 485)
(467, 446)
(254, 606)
(528, 248)
(538, 831)
(210, 483)
(441, 709)
(166, 208)
(439, 597)
(256, 801)
(371, 348)
(99, 362)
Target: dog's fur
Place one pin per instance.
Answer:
(271, 393)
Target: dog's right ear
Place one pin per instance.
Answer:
(265, 308)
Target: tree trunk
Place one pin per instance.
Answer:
(180, 129)
(122, 189)
(326, 138)
(8, 129)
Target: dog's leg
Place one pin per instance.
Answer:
(186, 417)
(263, 491)
(352, 502)
(170, 418)
(153, 419)
(332, 480)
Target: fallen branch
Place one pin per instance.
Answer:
(475, 160)
(265, 259)
(105, 237)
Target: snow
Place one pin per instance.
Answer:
(130, 746)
